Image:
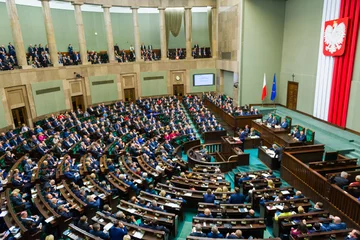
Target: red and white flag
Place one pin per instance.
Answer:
(263, 95)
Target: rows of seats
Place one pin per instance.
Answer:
(113, 172)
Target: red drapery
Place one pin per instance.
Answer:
(344, 65)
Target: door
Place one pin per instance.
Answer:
(78, 102)
(129, 94)
(178, 90)
(292, 94)
(19, 116)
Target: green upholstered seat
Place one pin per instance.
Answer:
(309, 135)
(278, 118)
(288, 120)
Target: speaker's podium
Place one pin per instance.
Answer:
(231, 149)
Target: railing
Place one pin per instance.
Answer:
(341, 201)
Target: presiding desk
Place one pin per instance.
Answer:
(278, 135)
(234, 122)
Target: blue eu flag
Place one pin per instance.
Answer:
(273, 91)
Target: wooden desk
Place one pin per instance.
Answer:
(269, 209)
(225, 209)
(249, 226)
(234, 122)
(149, 234)
(278, 135)
(284, 224)
(272, 162)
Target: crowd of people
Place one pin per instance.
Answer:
(205, 120)
(38, 56)
(226, 103)
(92, 130)
(8, 59)
(200, 52)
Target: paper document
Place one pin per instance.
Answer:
(108, 226)
(138, 235)
(50, 219)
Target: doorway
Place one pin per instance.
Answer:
(292, 94)
(129, 94)
(178, 90)
(19, 116)
(78, 102)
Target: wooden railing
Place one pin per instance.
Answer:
(318, 188)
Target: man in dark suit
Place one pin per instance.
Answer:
(237, 197)
(318, 207)
(3, 49)
(116, 48)
(341, 180)
(206, 214)
(302, 137)
(31, 50)
(11, 49)
(284, 124)
(96, 231)
(335, 225)
(197, 231)
(118, 231)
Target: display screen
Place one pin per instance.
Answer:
(206, 79)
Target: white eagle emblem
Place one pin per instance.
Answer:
(334, 37)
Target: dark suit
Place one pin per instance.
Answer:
(117, 233)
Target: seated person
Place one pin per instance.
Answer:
(209, 197)
(154, 206)
(32, 223)
(83, 224)
(295, 133)
(286, 212)
(353, 235)
(96, 231)
(315, 228)
(318, 207)
(356, 183)
(298, 194)
(18, 200)
(251, 214)
(197, 231)
(301, 229)
(91, 202)
(237, 197)
(235, 235)
(341, 180)
(284, 124)
(215, 233)
(335, 225)
(269, 119)
(274, 121)
(206, 214)
(302, 137)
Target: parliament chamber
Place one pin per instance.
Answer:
(157, 119)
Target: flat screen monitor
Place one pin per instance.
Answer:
(206, 79)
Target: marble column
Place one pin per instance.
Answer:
(214, 32)
(109, 33)
(81, 32)
(50, 34)
(136, 33)
(163, 34)
(16, 34)
(188, 31)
